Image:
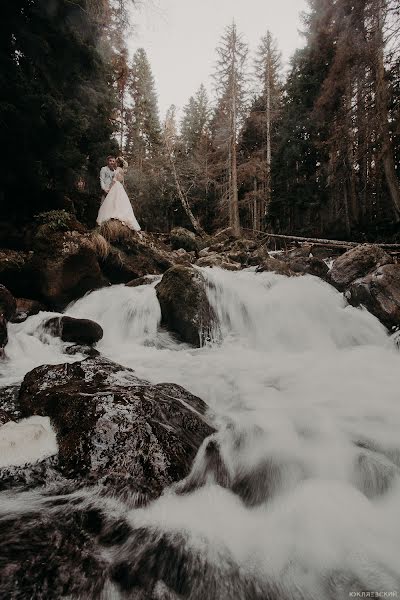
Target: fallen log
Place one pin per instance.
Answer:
(339, 244)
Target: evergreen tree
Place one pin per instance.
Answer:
(56, 100)
(259, 133)
(143, 125)
(230, 80)
(196, 116)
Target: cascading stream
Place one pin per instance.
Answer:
(304, 390)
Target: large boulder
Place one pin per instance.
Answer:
(184, 304)
(379, 292)
(357, 263)
(66, 267)
(8, 304)
(183, 238)
(115, 429)
(79, 331)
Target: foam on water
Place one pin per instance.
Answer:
(305, 393)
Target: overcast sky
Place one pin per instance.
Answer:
(180, 37)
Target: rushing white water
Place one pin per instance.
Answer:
(305, 393)
(27, 441)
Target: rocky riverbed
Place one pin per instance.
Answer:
(189, 418)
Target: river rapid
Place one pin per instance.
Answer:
(304, 392)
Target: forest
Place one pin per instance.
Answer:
(312, 149)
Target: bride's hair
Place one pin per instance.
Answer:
(121, 162)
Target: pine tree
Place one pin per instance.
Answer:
(56, 100)
(196, 116)
(259, 132)
(230, 80)
(143, 126)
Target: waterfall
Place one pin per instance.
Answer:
(300, 485)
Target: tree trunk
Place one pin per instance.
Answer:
(234, 200)
(382, 105)
(182, 197)
(269, 153)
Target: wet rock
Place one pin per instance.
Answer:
(218, 260)
(274, 265)
(66, 267)
(8, 305)
(379, 292)
(27, 308)
(374, 474)
(303, 251)
(183, 238)
(309, 265)
(69, 329)
(257, 257)
(357, 263)
(48, 554)
(5, 417)
(114, 428)
(9, 401)
(3, 335)
(181, 257)
(79, 349)
(146, 280)
(15, 271)
(184, 304)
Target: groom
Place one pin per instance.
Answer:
(107, 176)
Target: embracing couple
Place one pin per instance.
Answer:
(115, 202)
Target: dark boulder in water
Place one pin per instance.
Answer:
(7, 303)
(184, 304)
(69, 329)
(116, 429)
(3, 335)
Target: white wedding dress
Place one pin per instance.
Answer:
(116, 204)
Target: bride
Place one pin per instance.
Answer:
(116, 204)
